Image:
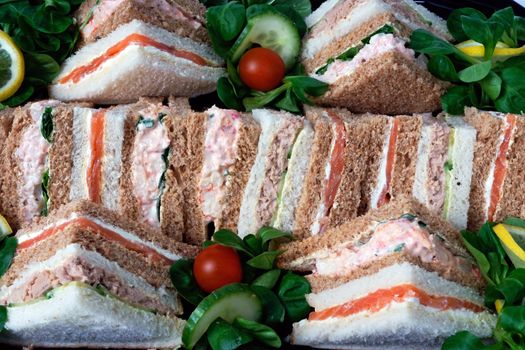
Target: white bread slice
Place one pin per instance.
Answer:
(407, 325)
(77, 316)
(461, 157)
(119, 278)
(391, 276)
(279, 131)
(81, 153)
(139, 70)
(294, 181)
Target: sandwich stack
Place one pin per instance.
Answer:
(359, 47)
(135, 48)
(88, 277)
(397, 277)
(123, 158)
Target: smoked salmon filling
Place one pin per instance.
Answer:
(110, 235)
(134, 39)
(382, 298)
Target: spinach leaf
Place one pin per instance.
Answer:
(3, 317)
(463, 341)
(511, 289)
(227, 20)
(7, 253)
(512, 98)
(514, 221)
(264, 261)
(181, 274)
(45, 193)
(224, 336)
(491, 85)
(455, 25)
(46, 124)
(425, 42)
(268, 279)
(302, 7)
(443, 68)
(254, 244)
(162, 180)
(292, 291)
(258, 331)
(455, 99)
(268, 234)
(274, 312)
(475, 72)
(230, 239)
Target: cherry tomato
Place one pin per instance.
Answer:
(261, 69)
(217, 266)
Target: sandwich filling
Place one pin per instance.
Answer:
(333, 174)
(276, 170)
(33, 157)
(406, 234)
(104, 9)
(381, 194)
(433, 161)
(96, 152)
(383, 298)
(498, 170)
(149, 164)
(220, 156)
(74, 264)
(348, 62)
(108, 231)
(134, 39)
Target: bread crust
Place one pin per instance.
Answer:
(246, 153)
(387, 84)
(488, 130)
(6, 123)
(133, 9)
(321, 283)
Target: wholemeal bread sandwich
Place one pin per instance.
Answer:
(37, 170)
(135, 60)
(401, 306)
(260, 201)
(402, 230)
(98, 18)
(222, 148)
(88, 277)
(359, 47)
(498, 166)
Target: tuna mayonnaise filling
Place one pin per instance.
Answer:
(379, 44)
(278, 158)
(148, 166)
(219, 157)
(404, 234)
(436, 161)
(74, 269)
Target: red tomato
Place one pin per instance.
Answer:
(217, 266)
(261, 69)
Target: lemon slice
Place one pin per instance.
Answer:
(5, 229)
(502, 51)
(11, 67)
(513, 240)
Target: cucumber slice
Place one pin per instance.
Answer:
(228, 303)
(271, 30)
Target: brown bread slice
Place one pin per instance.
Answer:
(6, 123)
(301, 255)
(388, 84)
(141, 10)
(320, 283)
(489, 130)
(314, 180)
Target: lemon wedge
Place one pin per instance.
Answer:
(502, 51)
(5, 229)
(513, 240)
(12, 67)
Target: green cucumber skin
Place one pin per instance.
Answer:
(228, 303)
(287, 36)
